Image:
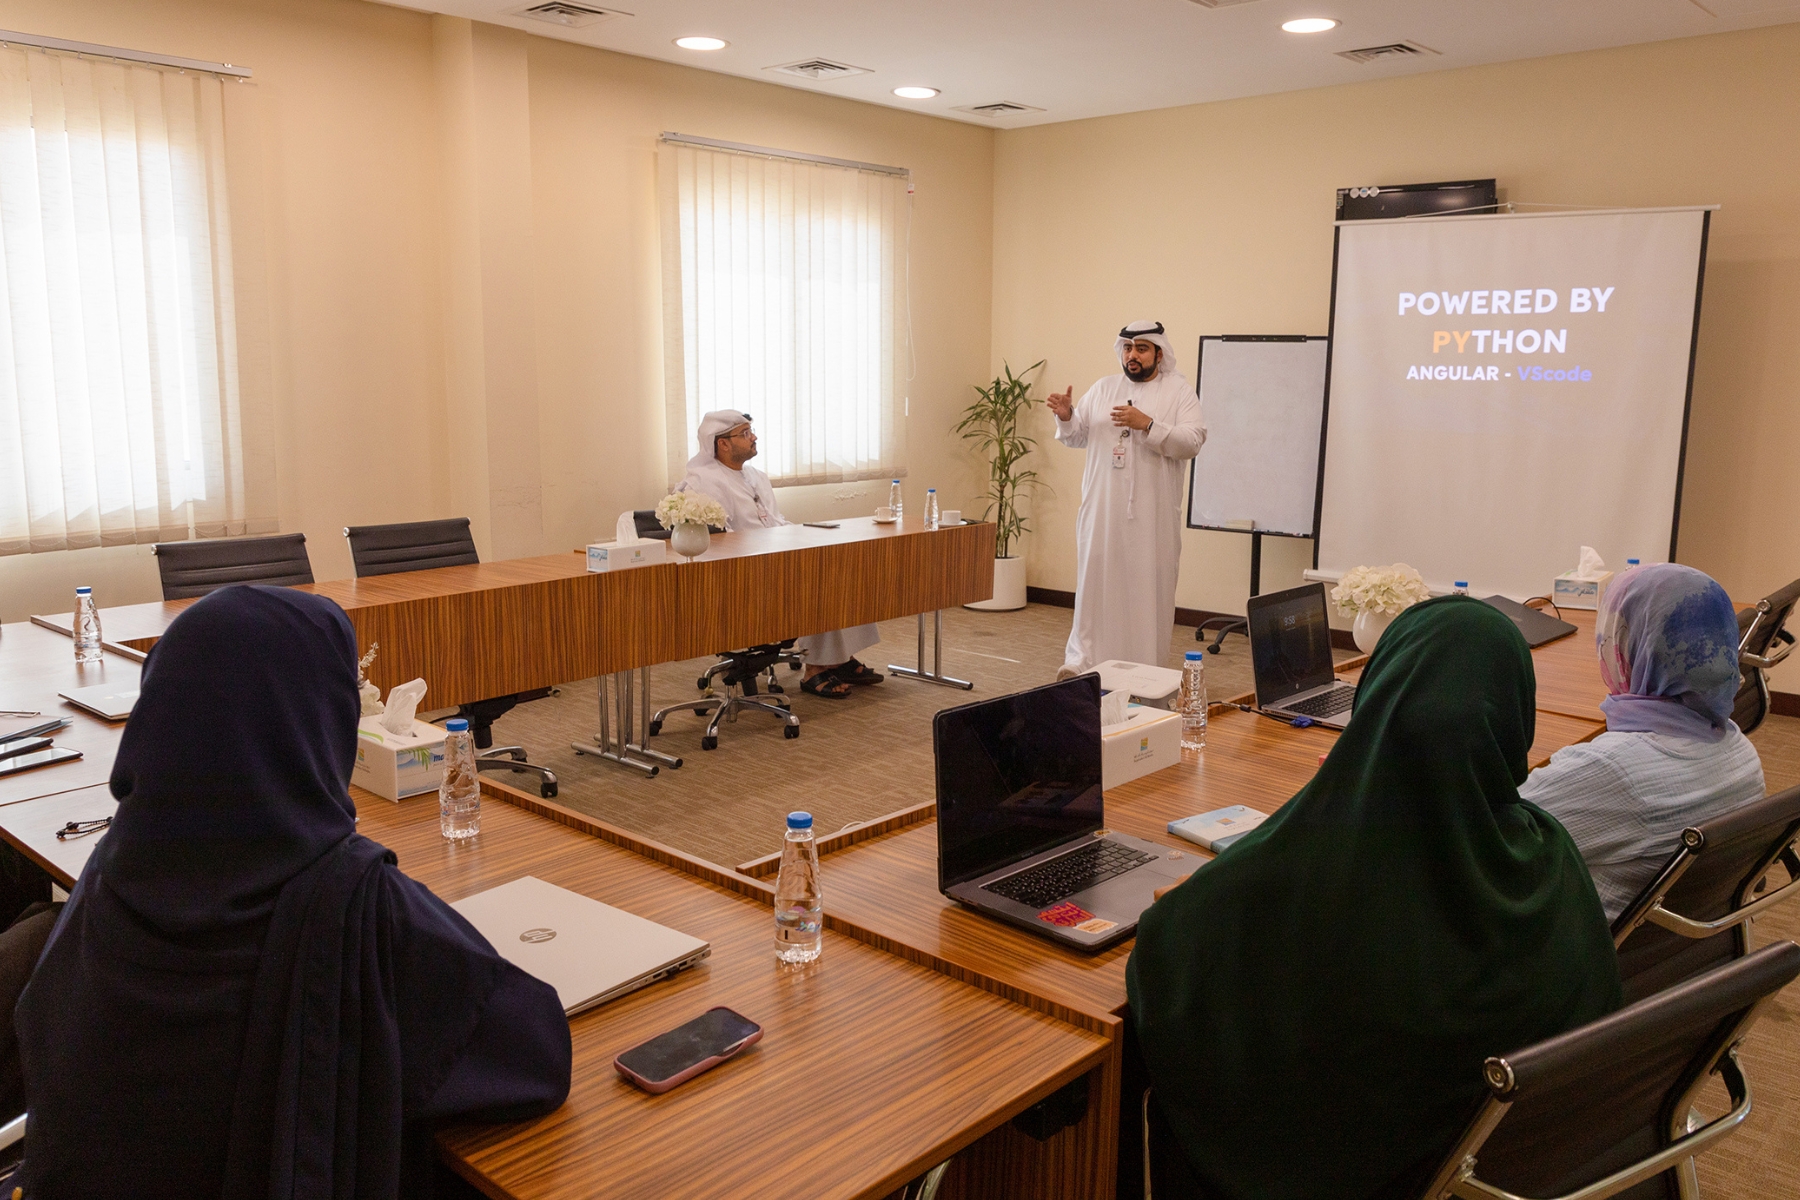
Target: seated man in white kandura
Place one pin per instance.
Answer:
(721, 470)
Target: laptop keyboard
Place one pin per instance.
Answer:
(1075, 871)
(1325, 704)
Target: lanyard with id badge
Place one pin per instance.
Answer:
(1119, 449)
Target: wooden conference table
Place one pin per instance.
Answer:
(492, 629)
(872, 1069)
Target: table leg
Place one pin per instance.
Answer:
(641, 747)
(936, 674)
(616, 690)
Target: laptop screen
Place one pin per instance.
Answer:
(1290, 642)
(1017, 776)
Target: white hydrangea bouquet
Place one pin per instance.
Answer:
(1387, 591)
(689, 508)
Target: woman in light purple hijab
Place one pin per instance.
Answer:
(1671, 756)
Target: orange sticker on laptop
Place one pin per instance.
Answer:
(1067, 915)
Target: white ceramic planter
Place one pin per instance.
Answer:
(1009, 586)
(1368, 629)
(690, 539)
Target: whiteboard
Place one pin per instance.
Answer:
(1506, 389)
(1263, 400)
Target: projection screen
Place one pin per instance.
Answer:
(1505, 389)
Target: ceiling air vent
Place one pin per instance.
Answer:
(1387, 53)
(999, 108)
(819, 68)
(570, 16)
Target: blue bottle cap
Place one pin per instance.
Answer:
(456, 725)
(799, 820)
(84, 591)
(931, 489)
(1632, 562)
(1195, 656)
(1463, 583)
(896, 481)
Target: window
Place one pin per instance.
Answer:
(119, 411)
(784, 297)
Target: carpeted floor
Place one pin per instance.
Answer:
(855, 759)
(869, 755)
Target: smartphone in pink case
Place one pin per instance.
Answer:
(673, 1058)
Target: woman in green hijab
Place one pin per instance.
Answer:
(1314, 1006)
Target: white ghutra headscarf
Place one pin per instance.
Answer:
(1146, 331)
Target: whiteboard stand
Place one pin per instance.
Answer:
(1224, 625)
(1263, 396)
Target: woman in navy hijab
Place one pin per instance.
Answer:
(244, 997)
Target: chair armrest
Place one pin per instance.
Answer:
(1470, 1188)
(1687, 928)
(13, 1131)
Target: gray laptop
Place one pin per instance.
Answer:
(1290, 655)
(588, 951)
(103, 700)
(1021, 819)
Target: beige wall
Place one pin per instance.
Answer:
(1217, 219)
(452, 240)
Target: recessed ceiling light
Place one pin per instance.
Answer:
(701, 43)
(915, 93)
(1309, 25)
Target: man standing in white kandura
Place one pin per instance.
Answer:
(721, 470)
(1140, 429)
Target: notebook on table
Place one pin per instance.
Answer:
(588, 951)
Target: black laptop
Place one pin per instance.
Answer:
(1022, 821)
(1538, 627)
(1290, 656)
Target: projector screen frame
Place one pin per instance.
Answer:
(1687, 405)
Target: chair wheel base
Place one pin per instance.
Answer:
(709, 743)
(547, 789)
(790, 731)
(655, 728)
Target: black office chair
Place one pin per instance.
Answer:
(1695, 914)
(736, 673)
(1607, 1109)
(421, 546)
(1763, 641)
(197, 567)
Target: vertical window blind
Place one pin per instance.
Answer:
(784, 297)
(120, 418)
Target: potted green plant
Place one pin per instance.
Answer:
(992, 423)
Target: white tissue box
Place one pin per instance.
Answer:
(1147, 740)
(1155, 686)
(395, 765)
(1569, 592)
(617, 556)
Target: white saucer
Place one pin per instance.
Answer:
(884, 520)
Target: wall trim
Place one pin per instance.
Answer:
(1784, 704)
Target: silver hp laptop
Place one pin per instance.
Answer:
(1290, 653)
(588, 951)
(103, 700)
(1022, 824)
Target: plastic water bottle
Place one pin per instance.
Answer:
(931, 508)
(799, 904)
(1630, 563)
(1460, 588)
(87, 626)
(459, 795)
(1193, 701)
(896, 498)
